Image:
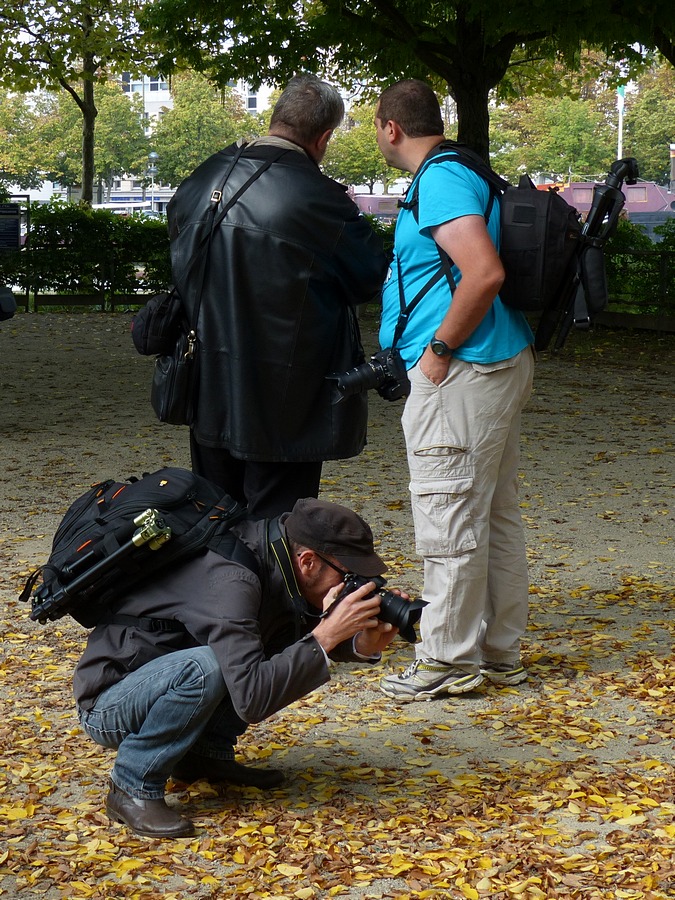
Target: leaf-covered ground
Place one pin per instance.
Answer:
(559, 788)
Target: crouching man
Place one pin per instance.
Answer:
(187, 661)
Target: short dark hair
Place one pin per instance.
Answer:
(307, 108)
(414, 106)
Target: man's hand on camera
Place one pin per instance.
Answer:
(372, 641)
(357, 612)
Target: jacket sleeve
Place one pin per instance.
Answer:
(229, 622)
(360, 261)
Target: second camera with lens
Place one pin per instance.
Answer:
(385, 371)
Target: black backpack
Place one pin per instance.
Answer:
(119, 534)
(540, 235)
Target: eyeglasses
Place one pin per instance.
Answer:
(341, 572)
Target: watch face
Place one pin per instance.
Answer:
(440, 348)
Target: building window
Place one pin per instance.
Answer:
(636, 194)
(583, 195)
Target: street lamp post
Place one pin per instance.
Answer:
(152, 171)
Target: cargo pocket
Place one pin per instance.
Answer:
(442, 516)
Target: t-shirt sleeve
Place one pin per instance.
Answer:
(448, 191)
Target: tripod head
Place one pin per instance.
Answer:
(608, 200)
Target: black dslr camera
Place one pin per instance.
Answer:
(404, 614)
(384, 371)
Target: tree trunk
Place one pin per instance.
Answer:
(89, 113)
(473, 117)
(472, 68)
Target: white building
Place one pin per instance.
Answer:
(133, 193)
(156, 96)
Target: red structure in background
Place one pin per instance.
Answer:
(647, 204)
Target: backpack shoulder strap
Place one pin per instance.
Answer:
(452, 151)
(229, 546)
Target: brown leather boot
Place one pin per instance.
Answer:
(151, 818)
(193, 768)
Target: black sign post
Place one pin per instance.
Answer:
(10, 226)
(10, 239)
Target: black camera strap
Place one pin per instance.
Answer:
(282, 554)
(406, 309)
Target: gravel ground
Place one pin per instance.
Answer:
(598, 485)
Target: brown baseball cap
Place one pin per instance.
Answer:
(336, 531)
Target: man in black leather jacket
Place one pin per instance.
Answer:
(288, 264)
(233, 648)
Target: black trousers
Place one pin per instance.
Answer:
(267, 488)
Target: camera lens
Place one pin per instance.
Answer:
(404, 614)
(362, 378)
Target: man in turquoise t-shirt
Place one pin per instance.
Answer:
(470, 366)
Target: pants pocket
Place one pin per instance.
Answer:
(442, 516)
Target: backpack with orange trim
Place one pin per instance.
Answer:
(119, 534)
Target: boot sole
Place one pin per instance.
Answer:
(114, 816)
(461, 686)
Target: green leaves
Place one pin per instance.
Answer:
(203, 120)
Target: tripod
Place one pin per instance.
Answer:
(584, 289)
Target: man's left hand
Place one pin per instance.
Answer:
(372, 641)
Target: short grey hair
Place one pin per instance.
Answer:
(306, 109)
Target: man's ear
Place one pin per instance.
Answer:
(321, 145)
(307, 561)
(393, 132)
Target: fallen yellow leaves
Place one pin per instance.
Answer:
(556, 790)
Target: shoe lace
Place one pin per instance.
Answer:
(410, 671)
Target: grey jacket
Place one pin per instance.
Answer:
(261, 640)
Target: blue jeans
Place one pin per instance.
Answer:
(175, 705)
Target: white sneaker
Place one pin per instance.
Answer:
(425, 678)
(504, 673)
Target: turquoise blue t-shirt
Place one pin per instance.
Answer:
(447, 191)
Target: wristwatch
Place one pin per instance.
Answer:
(440, 348)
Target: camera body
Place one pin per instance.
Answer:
(385, 371)
(404, 614)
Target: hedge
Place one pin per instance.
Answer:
(73, 249)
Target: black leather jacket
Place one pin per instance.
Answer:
(287, 265)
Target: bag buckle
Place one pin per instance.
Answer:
(191, 345)
(216, 196)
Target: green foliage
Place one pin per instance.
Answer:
(74, 249)
(557, 136)
(468, 45)
(637, 279)
(203, 120)
(70, 45)
(120, 144)
(650, 122)
(667, 234)
(628, 236)
(353, 156)
(385, 231)
(19, 150)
